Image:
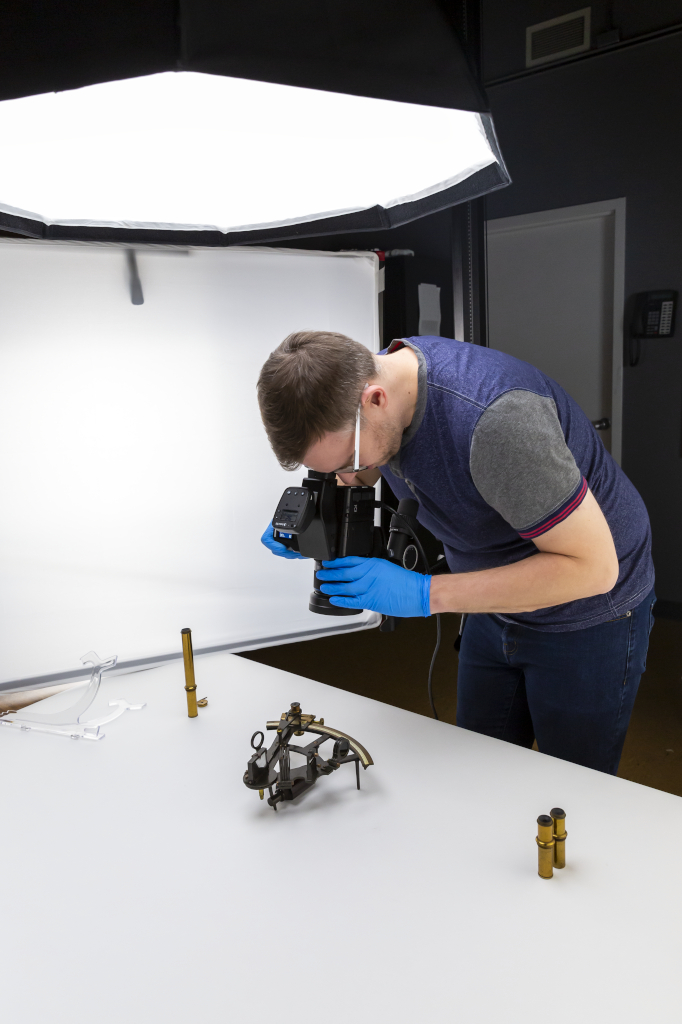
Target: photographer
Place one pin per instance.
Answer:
(547, 541)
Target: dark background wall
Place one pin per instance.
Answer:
(504, 25)
(601, 127)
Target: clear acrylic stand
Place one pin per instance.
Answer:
(69, 722)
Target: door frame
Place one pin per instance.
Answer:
(609, 208)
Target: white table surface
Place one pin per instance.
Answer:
(143, 882)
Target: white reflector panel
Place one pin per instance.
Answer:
(203, 150)
(137, 477)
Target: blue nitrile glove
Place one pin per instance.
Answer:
(276, 546)
(377, 586)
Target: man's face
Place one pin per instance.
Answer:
(379, 442)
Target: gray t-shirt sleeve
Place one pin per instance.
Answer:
(519, 460)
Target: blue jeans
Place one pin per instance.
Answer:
(572, 692)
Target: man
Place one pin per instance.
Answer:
(547, 541)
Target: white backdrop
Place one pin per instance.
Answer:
(137, 477)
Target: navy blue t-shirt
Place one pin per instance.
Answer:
(497, 453)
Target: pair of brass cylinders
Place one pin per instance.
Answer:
(551, 840)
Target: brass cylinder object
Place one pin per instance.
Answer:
(545, 841)
(190, 684)
(559, 833)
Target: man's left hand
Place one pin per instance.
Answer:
(377, 586)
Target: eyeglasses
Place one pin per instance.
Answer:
(356, 467)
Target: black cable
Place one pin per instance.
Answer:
(415, 538)
(433, 662)
(420, 550)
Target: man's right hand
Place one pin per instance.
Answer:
(276, 546)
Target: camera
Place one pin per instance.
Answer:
(323, 521)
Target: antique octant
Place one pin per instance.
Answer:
(270, 768)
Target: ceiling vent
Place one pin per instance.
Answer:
(558, 38)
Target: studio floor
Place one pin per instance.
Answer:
(393, 667)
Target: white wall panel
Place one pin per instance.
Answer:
(137, 477)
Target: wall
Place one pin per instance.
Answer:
(600, 128)
(504, 25)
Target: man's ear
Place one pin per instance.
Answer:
(374, 394)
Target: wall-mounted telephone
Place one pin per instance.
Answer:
(653, 317)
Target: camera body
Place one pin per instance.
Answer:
(324, 521)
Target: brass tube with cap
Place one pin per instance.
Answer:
(190, 684)
(559, 833)
(545, 841)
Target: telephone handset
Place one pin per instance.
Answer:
(653, 317)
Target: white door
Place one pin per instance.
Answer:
(555, 299)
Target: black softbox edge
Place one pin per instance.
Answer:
(488, 179)
(390, 49)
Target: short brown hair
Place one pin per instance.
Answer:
(310, 386)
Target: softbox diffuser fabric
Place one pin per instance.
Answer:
(204, 159)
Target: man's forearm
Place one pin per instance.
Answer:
(541, 581)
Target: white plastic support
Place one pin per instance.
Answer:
(69, 722)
